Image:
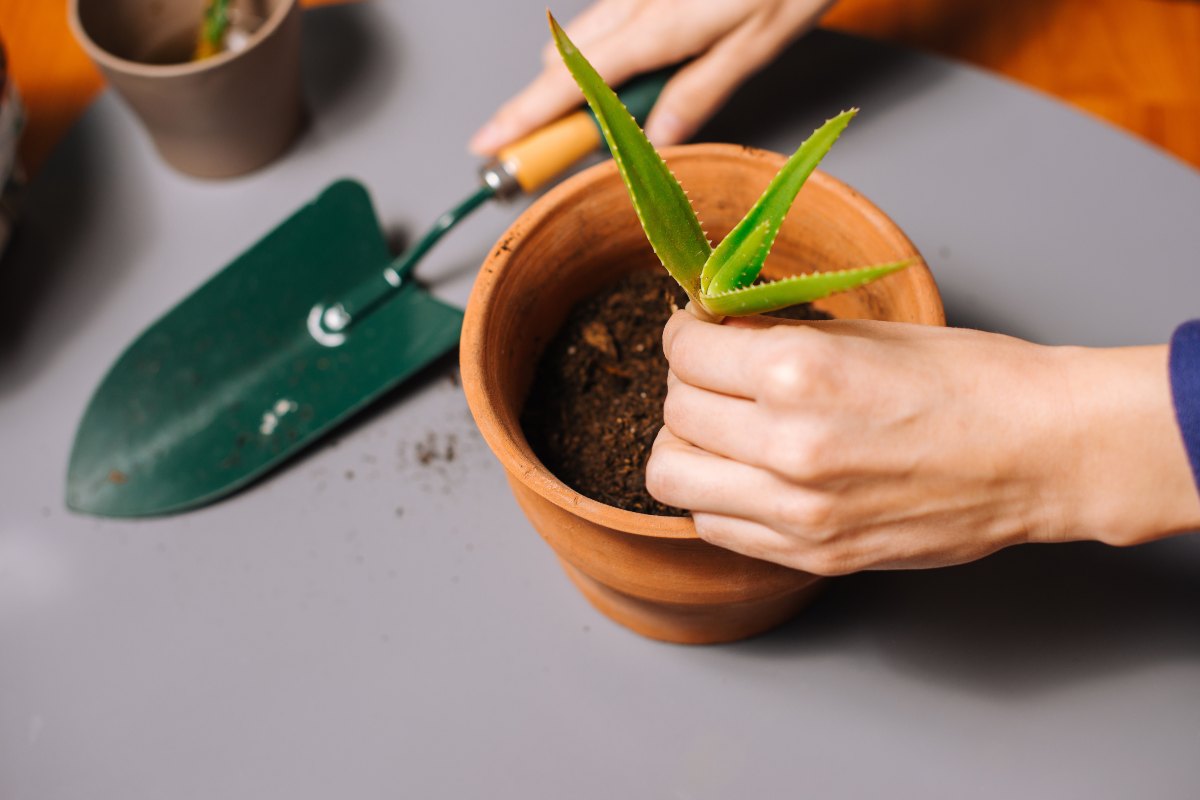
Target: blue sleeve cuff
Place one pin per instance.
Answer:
(1185, 388)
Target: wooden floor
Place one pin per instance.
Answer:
(1134, 62)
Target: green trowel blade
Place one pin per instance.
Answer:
(230, 383)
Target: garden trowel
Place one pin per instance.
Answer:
(291, 339)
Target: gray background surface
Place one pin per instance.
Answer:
(362, 625)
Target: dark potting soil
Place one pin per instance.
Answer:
(597, 396)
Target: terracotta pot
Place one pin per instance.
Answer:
(647, 572)
(214, 118)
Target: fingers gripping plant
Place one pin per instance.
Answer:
(720, 281)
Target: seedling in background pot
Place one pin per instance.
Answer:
(227, 26)
(720, 281)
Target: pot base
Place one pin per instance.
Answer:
(692, 624)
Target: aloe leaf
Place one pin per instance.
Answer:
(764, 297)
(739, 258)
(661, 204)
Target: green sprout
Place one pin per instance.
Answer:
(721, 281)
(213, 29)
(216, 22)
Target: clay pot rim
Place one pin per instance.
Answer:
(516, 456)
(141, 69)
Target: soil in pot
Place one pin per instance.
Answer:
(597, 396)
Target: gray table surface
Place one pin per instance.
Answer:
(362, 625)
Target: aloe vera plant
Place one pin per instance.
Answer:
(722, 281)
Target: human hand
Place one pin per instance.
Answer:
(839, 446)
(732, 39)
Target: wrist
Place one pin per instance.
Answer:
(1127, 478)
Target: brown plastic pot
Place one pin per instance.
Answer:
(652, 573)
(215, 118)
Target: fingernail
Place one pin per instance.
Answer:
(664, 128)
(487, 140)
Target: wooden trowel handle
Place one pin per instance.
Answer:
(532, 162)
(547, 152)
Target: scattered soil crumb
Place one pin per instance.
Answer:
(432, 450)
(596, 334)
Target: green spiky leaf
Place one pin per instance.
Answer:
(764, 297)
(662, 206)
(739, 258)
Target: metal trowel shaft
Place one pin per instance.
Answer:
(522, 167)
